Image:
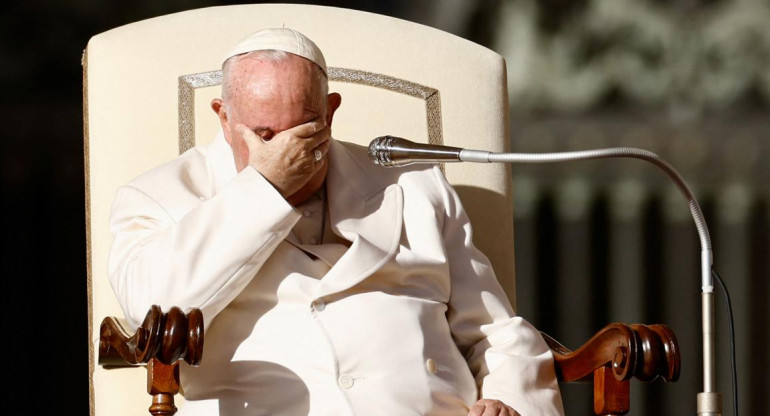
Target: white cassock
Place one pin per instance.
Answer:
(405, 317)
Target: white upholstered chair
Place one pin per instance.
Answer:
(147, 88)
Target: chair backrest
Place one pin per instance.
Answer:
(147, 88)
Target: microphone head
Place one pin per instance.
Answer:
(379, 151)
(391, 151)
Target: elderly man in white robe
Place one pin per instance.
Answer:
(329, 285)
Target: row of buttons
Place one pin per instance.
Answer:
(346, 381)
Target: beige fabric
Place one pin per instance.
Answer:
(131, 123)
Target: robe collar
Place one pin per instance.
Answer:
(364, 208)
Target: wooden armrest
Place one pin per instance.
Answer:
(160, 342)
(613, 356)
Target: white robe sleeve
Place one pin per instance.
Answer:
(505, 353)
(203, 259)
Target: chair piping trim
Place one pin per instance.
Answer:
(187, 86)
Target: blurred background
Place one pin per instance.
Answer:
(596, 242)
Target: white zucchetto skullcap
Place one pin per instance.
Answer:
(280, 39)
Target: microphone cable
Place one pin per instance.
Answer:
(731, 329)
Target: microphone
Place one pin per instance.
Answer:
(390, 151)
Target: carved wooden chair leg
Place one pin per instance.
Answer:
(161, 342)
(611, 396)
(163, 385)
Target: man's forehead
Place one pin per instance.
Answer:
(263, 72)
(289, 85)
(280, 39)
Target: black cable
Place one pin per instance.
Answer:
(732, 339)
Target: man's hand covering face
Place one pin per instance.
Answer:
(288, 159)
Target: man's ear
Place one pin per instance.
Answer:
(219, 107)
(333, 102)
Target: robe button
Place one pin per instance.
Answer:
(318, 305)
(430, 364)
(345, 381)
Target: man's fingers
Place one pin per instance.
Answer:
(308, 129)
(304, 137)
(477, 409)
(486, 407)
(491, 411)
(323, 147)
(317, 139)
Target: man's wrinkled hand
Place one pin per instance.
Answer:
(487, 407)
(288, 159)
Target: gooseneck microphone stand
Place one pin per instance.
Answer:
(392, 151)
